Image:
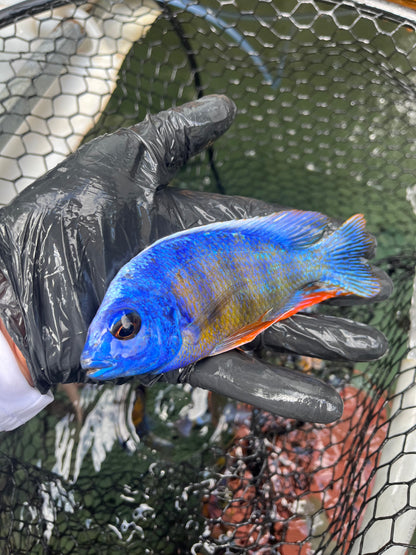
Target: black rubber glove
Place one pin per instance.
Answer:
(64, 238)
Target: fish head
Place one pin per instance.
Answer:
(132, 334)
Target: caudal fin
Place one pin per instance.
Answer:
(346, 249)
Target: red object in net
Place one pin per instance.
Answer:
(305, 466)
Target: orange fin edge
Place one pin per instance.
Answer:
(251, 331)
(242, 336)
(314, 297)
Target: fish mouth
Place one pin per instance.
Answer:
(98, 369)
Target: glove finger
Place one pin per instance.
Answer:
(175, 135)
(386, 290)
(326, 337)
(276, 389)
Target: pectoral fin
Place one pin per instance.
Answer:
(214, 309)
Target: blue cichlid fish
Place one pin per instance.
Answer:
(210, 289)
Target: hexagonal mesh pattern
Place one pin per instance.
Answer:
(326, 112)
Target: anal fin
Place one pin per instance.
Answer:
(304, 298)
(242, 336)
(309, 296)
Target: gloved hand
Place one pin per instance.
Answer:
(64, 238)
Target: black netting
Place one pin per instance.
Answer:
(326, 100)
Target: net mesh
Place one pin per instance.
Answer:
(326, 100)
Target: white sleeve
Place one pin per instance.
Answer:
(19, 401)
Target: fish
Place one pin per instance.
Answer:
(209, 289)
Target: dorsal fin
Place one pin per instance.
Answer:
(289, 228)
(292, 228)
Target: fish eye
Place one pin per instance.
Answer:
(127, 327)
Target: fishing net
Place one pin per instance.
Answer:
(326, 121)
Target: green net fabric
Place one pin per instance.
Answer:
(326, 121)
